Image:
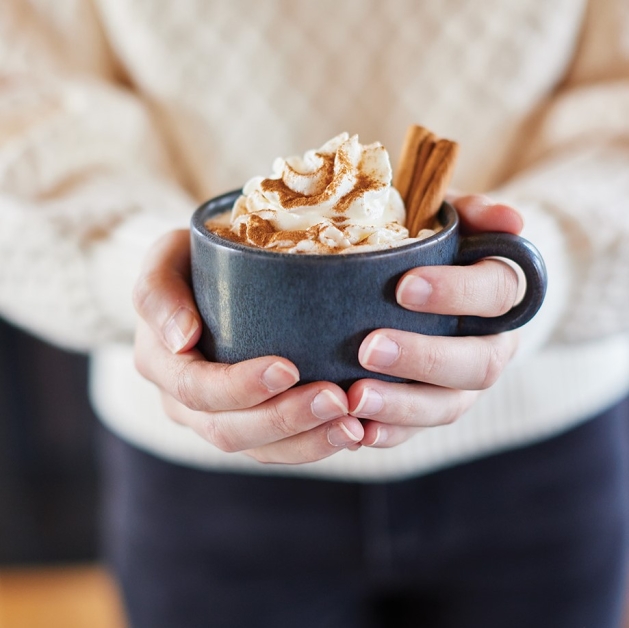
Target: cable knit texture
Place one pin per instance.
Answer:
(118, 116)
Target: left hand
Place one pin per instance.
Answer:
(448, 373)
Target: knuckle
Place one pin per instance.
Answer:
(142, 291)
(457, 407)
(409, 410)
(407, 413)
(187, 388)
(447, 414)
(432, 360)
(279, 422)
(465, 291)
(231, 386)
(450, 416)
(505, 289)
(494, 361)
(410, 416)
(310, 451)
(215, 433)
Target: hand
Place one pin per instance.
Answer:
(249, 406)
(448, 372)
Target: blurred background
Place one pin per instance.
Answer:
(49, 570)
(48, 493)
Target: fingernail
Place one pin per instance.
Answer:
(180, 328)
(414, 290)
(326, 406)
(339, 435)
(370, 403)
(482, 200)
(381, 437)
(381, 351)
(474, 201)
(279, 376)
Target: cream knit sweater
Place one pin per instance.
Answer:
(118, 116)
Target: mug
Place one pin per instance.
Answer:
(316, 310)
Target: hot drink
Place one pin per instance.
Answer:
(337, 199)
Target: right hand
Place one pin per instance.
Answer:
(250, 406)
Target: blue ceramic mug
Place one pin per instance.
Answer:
(316, 310)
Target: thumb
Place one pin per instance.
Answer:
(162, 295)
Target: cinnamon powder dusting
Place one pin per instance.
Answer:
(258, 232)
(363, 184)
(289, 198)
(324, 188)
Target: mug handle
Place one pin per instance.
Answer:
(480, 246)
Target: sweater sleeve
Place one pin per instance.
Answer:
(86, 182)
(572, 185)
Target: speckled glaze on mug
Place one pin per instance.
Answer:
(315, 310)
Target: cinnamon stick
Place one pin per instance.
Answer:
(424, 172)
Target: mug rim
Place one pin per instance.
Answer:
(226, 201)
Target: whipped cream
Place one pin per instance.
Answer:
(335, 199)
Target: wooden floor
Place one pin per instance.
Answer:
(59, 597)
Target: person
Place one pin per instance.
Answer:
(232, 497)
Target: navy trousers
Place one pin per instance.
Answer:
(534, 537)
